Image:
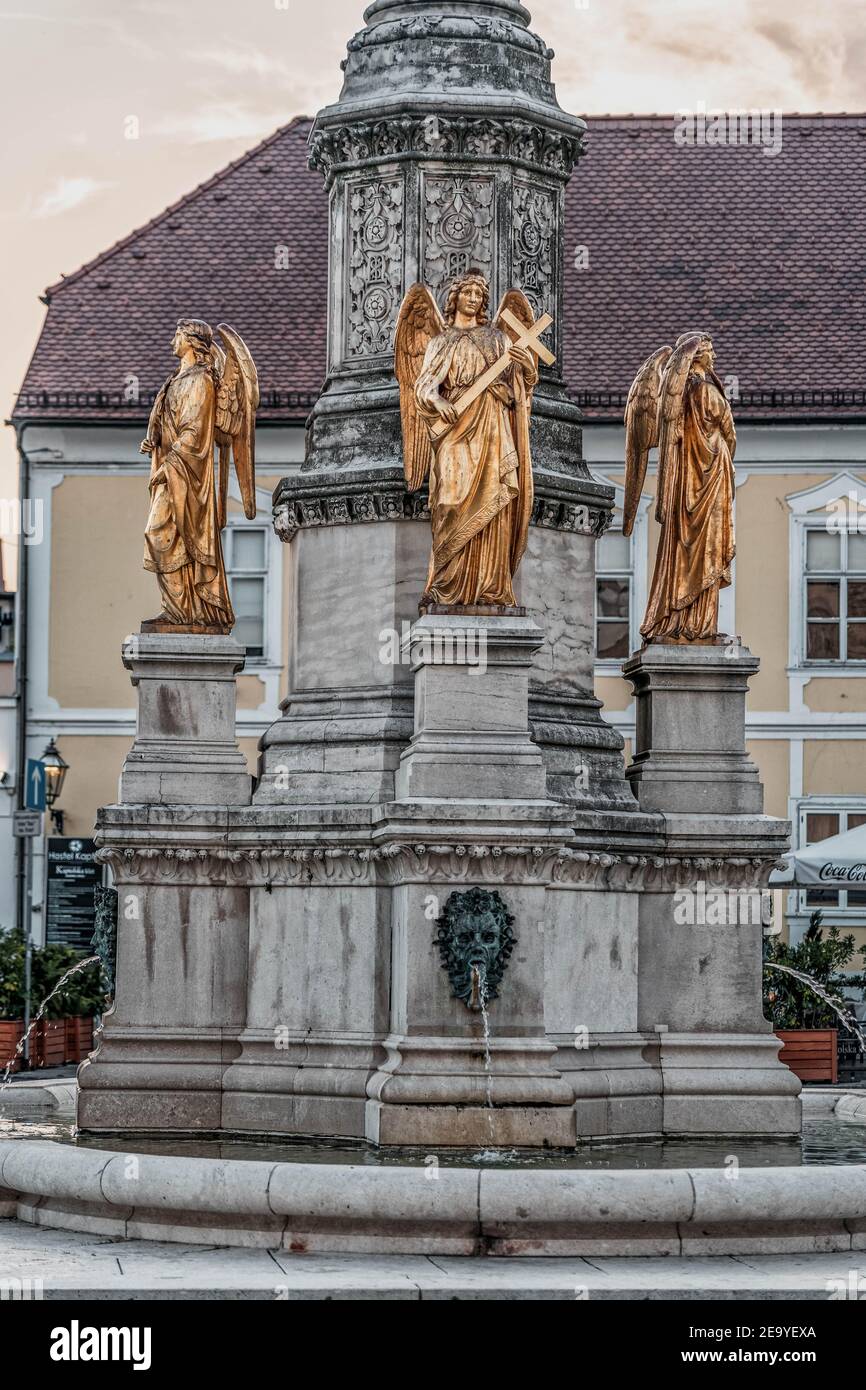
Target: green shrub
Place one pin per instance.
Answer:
(82, 996)
(789, 1003)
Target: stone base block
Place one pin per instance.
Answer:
(465, 1126)
(154, 1081)
(690, 720)
(727, 1084)
(472, 712)
(185, 750)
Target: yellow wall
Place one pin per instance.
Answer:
(761, 571)
(92, 780)
(827, 693)
(834, 767)
(99, 592)
(771, 758)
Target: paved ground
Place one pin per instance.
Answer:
(79, 1266)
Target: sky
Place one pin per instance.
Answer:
(112, 109)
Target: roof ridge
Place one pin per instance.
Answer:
(635, 116)
(174, 207)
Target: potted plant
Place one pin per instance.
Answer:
(807, 1013)
(64, 1031)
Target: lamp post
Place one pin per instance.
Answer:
(56, 769)
(55, 775)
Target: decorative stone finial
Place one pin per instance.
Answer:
(401, 9)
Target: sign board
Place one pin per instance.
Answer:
(34, 798)
(72, 878)
(26, 825)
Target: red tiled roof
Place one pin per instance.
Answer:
(767, 253)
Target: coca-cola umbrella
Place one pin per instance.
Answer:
(835, 863)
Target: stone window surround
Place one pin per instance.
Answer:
(235, 525)
(809, 513)
(638, 594)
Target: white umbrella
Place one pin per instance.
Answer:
(839, 862)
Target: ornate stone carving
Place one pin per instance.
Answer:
(562, 516)
(516, 141)
(458, 228)
(402, 862)
(450, 27)
(384, 503)
(534, 237)
(375, 251)
(475, 940)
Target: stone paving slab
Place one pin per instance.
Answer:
(80, 1266)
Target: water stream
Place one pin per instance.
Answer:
(479, 1001)
(6, 1079)
(832, 1000)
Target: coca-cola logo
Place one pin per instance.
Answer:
(842, 873)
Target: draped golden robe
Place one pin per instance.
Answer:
(481, 489)
(696, 495)
(182, 540)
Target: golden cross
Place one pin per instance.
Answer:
(526, 338)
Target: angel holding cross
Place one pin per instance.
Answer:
(465, 397)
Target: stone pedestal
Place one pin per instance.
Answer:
(690, 753)
(183, 917)
(701, 924)
(471, 739)
(185, 750)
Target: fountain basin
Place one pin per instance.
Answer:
(327, 1208)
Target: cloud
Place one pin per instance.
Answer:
(67, 194)
(225, 121)
(246, 60)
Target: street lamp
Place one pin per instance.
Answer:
(55, 775)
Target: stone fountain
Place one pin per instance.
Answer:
(304, 954)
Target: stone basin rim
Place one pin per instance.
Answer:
(341, 1207)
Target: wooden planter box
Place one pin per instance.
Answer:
(54, 1042)
(811, 1053)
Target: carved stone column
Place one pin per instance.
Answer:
(446, 149)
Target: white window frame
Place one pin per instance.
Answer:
(841, 806)
(809, 513)
(841, 576)
(637, 576)
(272, 658)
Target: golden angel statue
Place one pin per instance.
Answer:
(465, 399)
(678, 404)
(210, 401)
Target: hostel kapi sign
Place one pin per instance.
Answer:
(72, 877)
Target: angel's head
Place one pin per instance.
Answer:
(705, 353)
(193, 335)
(469, 296)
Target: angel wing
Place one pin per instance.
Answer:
(418, 323)
(672, 410)
(516, 301)
(642, 418)
(237, 402)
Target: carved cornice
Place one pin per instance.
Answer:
(364, 144)
(386, 503)
(450, 27)
(397, 863)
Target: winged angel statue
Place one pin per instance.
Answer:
(476, 455)
(678, 404)
(211, 400)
